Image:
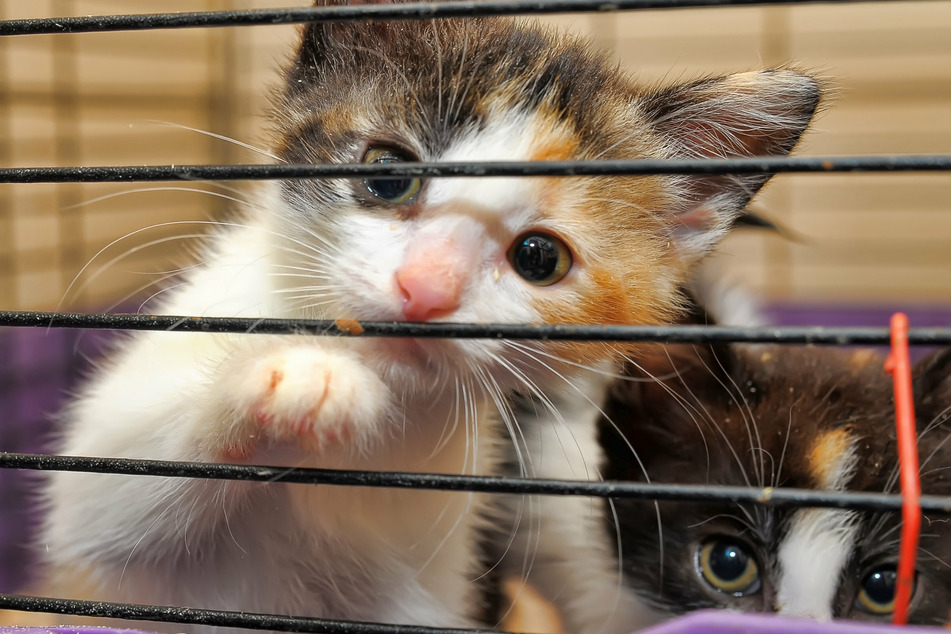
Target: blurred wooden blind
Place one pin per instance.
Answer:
(99, 99)
(120, 99)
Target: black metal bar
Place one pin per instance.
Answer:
(443, 330)
(387, 11)
(220, 618)
(779, 497)
(761, 165)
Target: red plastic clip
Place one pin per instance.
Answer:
(898, 365)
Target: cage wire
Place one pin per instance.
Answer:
(350, 13)
(933, 163)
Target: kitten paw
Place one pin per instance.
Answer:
(309, 398)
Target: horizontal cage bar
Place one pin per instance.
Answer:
(762, 496)
(432, 330)
(222, 618)
(408, 11)
(762, 165)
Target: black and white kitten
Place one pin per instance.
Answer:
(774, 416)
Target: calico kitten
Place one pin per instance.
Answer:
(543, 250)
(774, 416)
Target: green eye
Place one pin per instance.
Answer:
(398, 191)
(727, 565)
(540, 258)
(877, 592)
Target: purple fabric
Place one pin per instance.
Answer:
(65, 629)
(714, 622)
(37, 368)
(704, 622)
(920, 316)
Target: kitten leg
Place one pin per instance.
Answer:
(200, 399)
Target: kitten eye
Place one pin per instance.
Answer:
(727, 565)
(398, 191)
(877, 592)
(540, 258)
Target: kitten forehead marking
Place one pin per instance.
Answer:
(505, 136)
(819, 542)
(832, 459)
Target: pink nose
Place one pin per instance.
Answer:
(429, 290)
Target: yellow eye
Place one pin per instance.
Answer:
(727, 565)
(877, 592)
(398, 191)
(540, 258)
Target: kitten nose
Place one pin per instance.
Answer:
(433, 274)
(429, 289)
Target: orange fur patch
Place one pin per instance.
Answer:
(861, 358)
(563, 149)
(609, 298)
(827, 456)
(530, 611)
(612, 301)
(276, 377)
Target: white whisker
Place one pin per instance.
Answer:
(123, 255)
(220, 137)
(142, 190)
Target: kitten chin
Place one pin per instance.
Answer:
(536, 250)
(773, 416)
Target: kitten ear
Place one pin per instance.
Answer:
(654, 411)
(751, 114)
(666, 376)
(931, 383)
(663, 370)
(321, 43)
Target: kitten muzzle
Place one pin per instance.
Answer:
(433, 276)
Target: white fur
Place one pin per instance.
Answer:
(811, 560)
(815, 550)
(563, 542)
(724, 298)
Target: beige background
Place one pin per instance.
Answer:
(98, 99)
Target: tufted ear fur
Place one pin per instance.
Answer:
(322, 43)
(750, 114)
